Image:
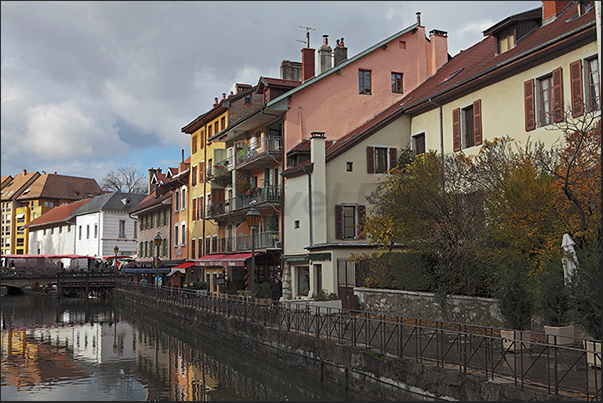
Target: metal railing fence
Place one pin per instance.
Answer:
(558, 369)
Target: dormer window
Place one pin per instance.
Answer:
(506, 40)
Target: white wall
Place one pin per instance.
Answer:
(60, 241)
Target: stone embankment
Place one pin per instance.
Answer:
(382, 377)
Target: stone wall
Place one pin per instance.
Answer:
(379, 377)
(424, 305)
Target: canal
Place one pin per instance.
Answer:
(86, 349)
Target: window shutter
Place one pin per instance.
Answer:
(477, 122)
(338, 221)
(370, 163)
(576, 87)
(558, 95)
(361, 217)
(528, 92)
(393, 158)
(456, 129)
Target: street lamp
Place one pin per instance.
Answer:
(253, 220)
(115, 249)
(157, 242)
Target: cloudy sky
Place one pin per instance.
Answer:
(88, 87)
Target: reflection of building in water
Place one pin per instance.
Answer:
(92, 342)
(27, 362)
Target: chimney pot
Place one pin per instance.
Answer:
(25, 172)
(215, 101)
(418, 18)
(223, 95)
(231, 93)
(325, 39)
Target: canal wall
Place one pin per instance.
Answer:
(378, 376)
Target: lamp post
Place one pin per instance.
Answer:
(115, 249)
(253, 220)
(157, 242)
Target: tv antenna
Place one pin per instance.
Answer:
(308, 29)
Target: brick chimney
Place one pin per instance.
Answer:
(340, 53)
(307, 63)
(551, 9)
(324, 55)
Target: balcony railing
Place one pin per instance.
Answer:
(268, 145)
(265, 194)
(263, 240)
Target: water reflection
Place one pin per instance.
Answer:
(94, 350)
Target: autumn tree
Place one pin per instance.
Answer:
(126, 179)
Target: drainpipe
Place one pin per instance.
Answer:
(441, 131)
(204, 195)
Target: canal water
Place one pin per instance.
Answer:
(85, 349)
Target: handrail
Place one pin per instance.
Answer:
(536, 364)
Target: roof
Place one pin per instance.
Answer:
(116, 201)
(17, 185)
(274, 103)
(53, 186)
(535, 13)
(304, 146)
(152, 200)
(58, 214)
(276, 82)
(481, 59)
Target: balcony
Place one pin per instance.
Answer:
(254, 157)
(263, 240)
(221, 171)
(234, 209)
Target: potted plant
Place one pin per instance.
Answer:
(554, 301)
(243, 186)
(515, 302)
(585, 299)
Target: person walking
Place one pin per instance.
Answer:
(276, 289)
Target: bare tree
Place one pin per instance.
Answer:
(126, 179)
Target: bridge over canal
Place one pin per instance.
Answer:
(64, 284)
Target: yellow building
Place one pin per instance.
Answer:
(208, 161)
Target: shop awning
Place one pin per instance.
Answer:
(145, 270)
(224, 259)
(184, 265)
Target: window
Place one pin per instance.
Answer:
(194, 176)
(593, 100)
(543, 99)
(364, 82)
(248, 99)
(296, 224)
(88, 231)
(176, 200)
(349, 219)
(176, 237)
(222, 123)
(418, 144)
(506, 40)
(80, 233)
(397, 83)
(349, 166)
(216, 127)
(467, 126)
(210, 131)
(122, 228)
(194, 143)
(183, 199)
(303, 280)
(318, 278)
(381, 159)
(193, 248)
(95, 231)
(207, 245)
(183, 241)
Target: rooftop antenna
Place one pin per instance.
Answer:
(308, 29)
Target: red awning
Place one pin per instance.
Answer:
(184, 265)
(224, 259)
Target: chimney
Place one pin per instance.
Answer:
(551, 9)
(319, 188)
(151, 187)
(291, 70)
(439, 49)
(231, 94)
(215, 101)
(340, 53)
(223, 95)
(419, 18)
(307, 63)
(25, 172)
(242, 87)
(324, 55)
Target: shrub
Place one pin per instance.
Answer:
(585, 289)
(515, 299)
(553, 294)
(324, 295)
(262, 290)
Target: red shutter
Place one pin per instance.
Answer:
(370, 163)
(477, 122)
(361, 217)
(576, 87)
(393, 158)
(558, 95)
(528, 92)
(456, 129)
(338, 221)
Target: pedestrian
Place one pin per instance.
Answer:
(276, 289)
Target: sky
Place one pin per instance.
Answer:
(88, 87)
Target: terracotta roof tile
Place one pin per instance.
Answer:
(57, 214)
(53, 186)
